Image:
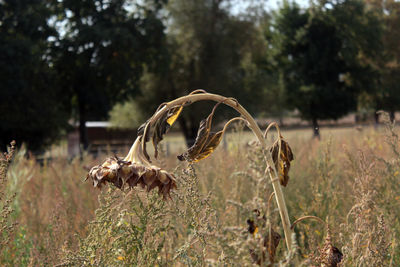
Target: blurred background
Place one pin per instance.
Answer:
(78, 77)
(85, 73)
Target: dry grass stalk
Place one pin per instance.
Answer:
(328, 255)
(6, 227)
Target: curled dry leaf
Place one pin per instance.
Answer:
(283, 164)
(270, 242)
(205, 142)
(163, 125)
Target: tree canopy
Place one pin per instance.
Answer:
(30, 110)
(324, 53)
(100, 57)
(208, 48)
(73, 60)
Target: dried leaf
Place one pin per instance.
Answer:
(205, 142)
(271, 241)
(213, 141)
(140, 131)
(283, 164)
(163, 125)
(173, 116)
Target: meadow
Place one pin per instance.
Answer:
(349, 179)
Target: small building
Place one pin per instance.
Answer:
(102, 137)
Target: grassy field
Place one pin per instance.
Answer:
(349, 179)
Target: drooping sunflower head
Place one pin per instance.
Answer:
(132, 171)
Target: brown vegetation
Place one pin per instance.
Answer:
(350, 181)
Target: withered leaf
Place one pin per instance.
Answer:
(205, 142)
(163, 125)
(140, 131)
(283, 164)
(201, 139)
(173, 115)
(270, 242)
(213, 141)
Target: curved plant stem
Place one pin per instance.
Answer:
(199, 96)
(231, 121)
(308, 217)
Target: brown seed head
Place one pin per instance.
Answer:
(121, 173)
(330, 256)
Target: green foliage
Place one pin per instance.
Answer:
(126, 115)
(207, 47)
(100, 57)
(30, 106)
(325, 54)
(387, 96)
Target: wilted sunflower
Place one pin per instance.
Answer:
(134, 169)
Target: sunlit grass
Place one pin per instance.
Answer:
(329, 178)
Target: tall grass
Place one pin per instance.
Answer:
(350, 181)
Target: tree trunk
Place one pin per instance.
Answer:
(376, 116)
(391, 116)
(316, 128)
(281, 123)
(83, 136)
(189, 132)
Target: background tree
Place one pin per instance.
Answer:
(387, 95)
(325, 56)
(100, 56)
(208, 48)
(391, 73)
(30, 110)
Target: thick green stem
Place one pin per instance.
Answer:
(258, 133)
